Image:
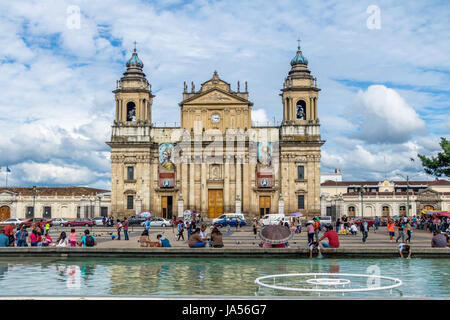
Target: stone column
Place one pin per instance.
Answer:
(180, 206)
(226, 186)
(238, 205)
(97, 207)
(238, 179)
(192, 185)
(281, 205)
(138, 204)
(204, 190)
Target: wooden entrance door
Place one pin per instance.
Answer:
(264, 205)
(166, 207)
(5, 213)
(215, 203)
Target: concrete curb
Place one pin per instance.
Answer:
(216, 252)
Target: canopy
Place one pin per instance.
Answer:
(437, 213)
(296, 214)
(275, 234)
(145, 214)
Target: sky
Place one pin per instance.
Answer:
(383, 68)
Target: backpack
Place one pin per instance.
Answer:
(89, 241)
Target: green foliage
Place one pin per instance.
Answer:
(439, 165)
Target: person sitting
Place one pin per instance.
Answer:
(404, 248)
(47, 240)
(62, 241)
(195, 241)
(144, 239)
(332, 237)
(163, 240)
(216, 239)
(87, 240)
(353, 229)
(314, 246)
(4, 239)
(439, 240)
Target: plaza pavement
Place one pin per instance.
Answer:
(244, 238)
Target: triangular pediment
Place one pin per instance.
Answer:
(428, 192)
(7, 193)
(215, 95)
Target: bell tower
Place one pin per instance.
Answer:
(299, 93)
(133, 95)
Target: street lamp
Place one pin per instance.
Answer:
(362, 203)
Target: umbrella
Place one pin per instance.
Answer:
(275, 234)
(296, 214)
(145, 214)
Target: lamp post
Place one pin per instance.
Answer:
(362, 203)
(35, 193)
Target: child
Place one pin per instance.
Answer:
(73, 238)
(314, 245)
(47, 240)
(144, 239)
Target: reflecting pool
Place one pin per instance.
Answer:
(207, 277)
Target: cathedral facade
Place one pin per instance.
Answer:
(216, 161)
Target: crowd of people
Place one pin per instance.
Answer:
(39, 236)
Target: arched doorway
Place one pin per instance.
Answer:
(386, 211)
(351, 212)
(5, 213)
(428, 208)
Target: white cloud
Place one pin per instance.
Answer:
(259, 116)
(383, 116)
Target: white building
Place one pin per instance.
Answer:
(383, 198)
(54, 202)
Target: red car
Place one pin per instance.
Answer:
(29, 222)
(80, 222)
(370, 221)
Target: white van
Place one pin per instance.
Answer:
(273, 218)
(229, 216)
(325, 220)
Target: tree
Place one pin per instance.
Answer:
(439, 165)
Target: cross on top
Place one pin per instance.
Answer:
(135, 46)
(298, 43)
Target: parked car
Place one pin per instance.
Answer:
(158, 222)
(59, 222)
(229, 221)
(80, 222)
(135, 220)
(98, 221)
(370, 221)
(14, 221)
(229, 216)
(29, 222)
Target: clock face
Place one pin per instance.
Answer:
(215, 118)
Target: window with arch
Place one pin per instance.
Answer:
(386, 211)
(351, 211)
(301, 110)
(131, 111)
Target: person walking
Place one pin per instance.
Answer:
(408, 229)
(391, 229)
(376, 224)
(401, 234)
(118, 228)
(310, 231)
(47, 227)
(147, 225)
(364, 230)
(255, 226)
(180, 229)
(338, 224)
(316, 228)
(125, 228)
(228, 226)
